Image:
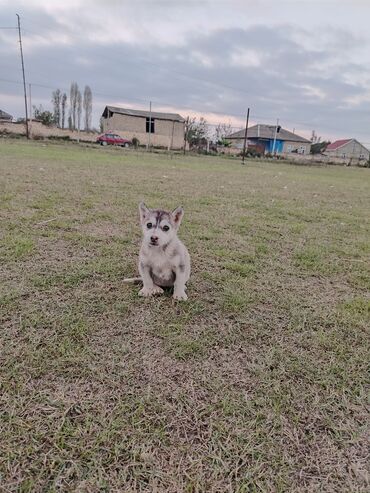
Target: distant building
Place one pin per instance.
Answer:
(347, 149)
(161, 129)
(5, 117)
(262, 137)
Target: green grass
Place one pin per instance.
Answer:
(256, 384)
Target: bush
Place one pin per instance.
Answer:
(45, 117)
(224, 142)
(59, 137)
(5, 133)
(253, 153)
(319, 147)
(135, 142)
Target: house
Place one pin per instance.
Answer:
(5, 117)
(271, 139)
(347, 149)
(151, 128)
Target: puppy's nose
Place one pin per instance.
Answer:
(154, 239)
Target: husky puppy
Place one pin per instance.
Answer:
(164, 260)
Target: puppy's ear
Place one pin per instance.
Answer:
(144, 212)
(177, 216)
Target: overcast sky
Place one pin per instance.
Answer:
(304, 62)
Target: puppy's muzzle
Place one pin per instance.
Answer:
(154, 240)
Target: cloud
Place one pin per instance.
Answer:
(305, 77)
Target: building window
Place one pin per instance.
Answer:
(362, 156)
(289, 148)
(150, 125)
(343, 155)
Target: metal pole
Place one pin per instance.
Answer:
(273, 145)
(24, 77)
(150, 124)
(245, 136)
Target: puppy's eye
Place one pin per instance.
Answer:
(149, 225)
(166, 228)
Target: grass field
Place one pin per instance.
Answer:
(256, 384)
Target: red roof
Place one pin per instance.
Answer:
(336, 144)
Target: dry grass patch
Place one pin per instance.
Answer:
(257, 384)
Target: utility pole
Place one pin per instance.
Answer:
(245, 136)
(186, 133)
(273, 145)
(30, 108)
(150, 124)
(24, 77)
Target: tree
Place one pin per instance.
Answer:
(87, 104)
(319, 147)
(46, 117)
(222, 131)
(63, 109)
(315, 139)
(73, 104)
(78, 108)
(197, 132)
(56, 100)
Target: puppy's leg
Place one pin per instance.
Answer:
(180, 287)
(149, 288)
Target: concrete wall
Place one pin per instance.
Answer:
(352, 150)
(323, 159)
(38, 130)
(308, 159)
(291, 147)
(134, 126)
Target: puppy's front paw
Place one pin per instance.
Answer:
(146, 292)
(157, 290)
(180, 296)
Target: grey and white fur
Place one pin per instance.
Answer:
(164, 260)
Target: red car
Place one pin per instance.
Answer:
(113, 139)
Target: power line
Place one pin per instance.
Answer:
(166, 69)
(44, 86)
(139, 62)
(149, 62)
(240, 116)
(181, 74)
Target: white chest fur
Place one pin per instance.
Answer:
(161, 265)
